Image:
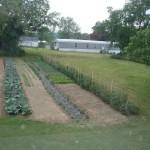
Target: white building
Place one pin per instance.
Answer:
(29, 41)
(81, 45)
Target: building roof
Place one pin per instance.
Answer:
(27, 38)
(81, 41)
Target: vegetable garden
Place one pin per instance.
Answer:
(131, 134)
(52, 73)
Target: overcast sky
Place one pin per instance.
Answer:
(85, 12)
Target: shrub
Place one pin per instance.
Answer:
(138, 49)
(129, 109)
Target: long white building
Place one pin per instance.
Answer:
(81, 45)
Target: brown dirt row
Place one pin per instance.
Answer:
(42, 104)
(2, 76)
(97, 110)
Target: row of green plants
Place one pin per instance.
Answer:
(51, 73)
(73, 111)
(16, 101)
(117, 100)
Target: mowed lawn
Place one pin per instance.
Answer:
(129, 77)
(21, 134)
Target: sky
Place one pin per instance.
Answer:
(85, 12)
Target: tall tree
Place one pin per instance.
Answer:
(68, 28)
(20, 16)
(139, 47)
(123, 24)
(136, 13)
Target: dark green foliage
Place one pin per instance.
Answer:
(20, 17)
(129, 109)
(122, 24)
(138, 49)
(16, 101)
(117, 100)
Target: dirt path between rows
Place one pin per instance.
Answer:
(2, 74)
(42, 104)
(97, 110)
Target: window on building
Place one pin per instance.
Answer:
(87, 45)
(76, 44)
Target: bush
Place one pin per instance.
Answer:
(129, 109)
(139, 48)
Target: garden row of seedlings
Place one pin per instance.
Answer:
(16, 101)
(118, 101)
(73, 111)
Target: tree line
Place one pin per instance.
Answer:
(32, 18)
(129, 28)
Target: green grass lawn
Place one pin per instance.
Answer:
(22, 134)
(125, 76)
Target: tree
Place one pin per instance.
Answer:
(85, 36)
(45, 34)
(123, 24)
(136, 13)
(68, 28)
(18, 17)
(139, 47)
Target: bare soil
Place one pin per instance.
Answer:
(2, 76)
(98, 111)
(42, 104)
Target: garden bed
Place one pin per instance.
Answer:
(62, 100)
(97, 111)
(43, 106)
(16, 100)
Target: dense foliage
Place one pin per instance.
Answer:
(16, 101)
(139, 48)
(122, 24)
(18, 17)
(68, 28)
(118, 101)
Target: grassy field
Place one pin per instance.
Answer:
(134, 134)
(21, 134)
(129, 77)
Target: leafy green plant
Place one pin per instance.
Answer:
(16, 101)
(138, 49)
